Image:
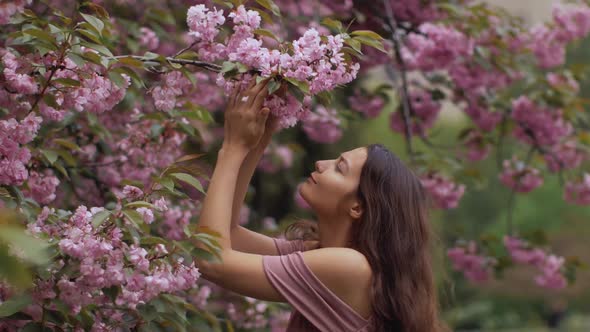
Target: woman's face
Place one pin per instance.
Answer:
(331, 190)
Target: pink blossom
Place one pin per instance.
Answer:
(276, 158)
(132, 192)
(445, 193)
(519, 177)
(552, 276)
(474, 266)
(10, 8)
(477, 148)
(323, 125)
(563, 81)
(425, 112)
(148, 38)
(546, 126)
(578, 192)
(146, 214)
(563, 156)
(42, 186)
(370, 106)
(436, 47)
(485, 120)
(202, 22)
(161, 204)
(521, 252)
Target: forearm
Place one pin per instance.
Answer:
(244, 177)
(220, 193)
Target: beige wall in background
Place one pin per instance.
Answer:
(532, 11)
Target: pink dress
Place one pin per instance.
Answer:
(315, 307)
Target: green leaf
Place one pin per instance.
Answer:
(14, 271)
(190, 180)
(92, 57)
(95, 22)
(99, 48)
(355, 44)
(34, 250)
(50, 155)
(266, 33)
(134, 217)
(67, 144)
(14, 304)
(100, 217)
(40, 34)
(190, 130)
(228, 66)
(67, 157)
(137, 81)
(273, 86)
(49, 99)
(371, 42)
(303, 86)
(156, 130)
(367, 33)
(138, 204)
(89, 33)
(270, 5)
(130, 61)
(332, 23)
(167, 183)
(116, 77)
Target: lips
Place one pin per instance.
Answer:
(312, 179)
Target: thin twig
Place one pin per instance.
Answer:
(512, 196)
(202, 64)
(406, 104)
(186, 48)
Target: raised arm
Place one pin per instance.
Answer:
(243, 239)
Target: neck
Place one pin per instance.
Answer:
(334, 234)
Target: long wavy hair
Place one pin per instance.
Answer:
(395, 236)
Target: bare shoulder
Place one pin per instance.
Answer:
(339, 268)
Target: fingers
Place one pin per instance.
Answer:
(234, 96)
(260, 96)
(262, 116)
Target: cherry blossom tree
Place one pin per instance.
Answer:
(108, 109)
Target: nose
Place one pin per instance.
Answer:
(318, 165)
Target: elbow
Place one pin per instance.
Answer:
(212, 270)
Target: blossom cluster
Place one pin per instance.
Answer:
(424, 109)
(370, 106)
(14, 157)
(475, 266)
(106, 261)
(435, 46)
(536, 125)
(548, 41)
(578, 192)
(520, 177)
(276, 158)
(550, 266)
(318, 64)
(444, 192)
(10, 8)
(323, 125)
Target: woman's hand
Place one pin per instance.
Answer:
(245, 121)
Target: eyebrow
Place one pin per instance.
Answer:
(347, 163)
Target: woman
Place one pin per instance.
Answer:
(369, 267)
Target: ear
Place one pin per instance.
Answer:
(356, 211)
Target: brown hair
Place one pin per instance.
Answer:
(395, 235)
